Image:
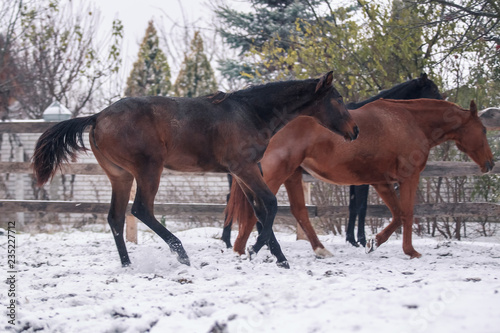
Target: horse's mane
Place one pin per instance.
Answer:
(218, 97)
(381, 94)
(263, 91)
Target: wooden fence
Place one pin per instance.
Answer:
(433, 169)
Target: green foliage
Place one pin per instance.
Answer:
(245, 31)
(196, 77)
(150, 74)
(366, 56)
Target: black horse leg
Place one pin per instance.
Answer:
(275, 248)
(147, 186)
(226, 235)
(116, 216)
(226, 232)
(362, 204)
(265, 207)
(352, 216)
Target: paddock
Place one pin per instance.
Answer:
(221, 292)
(454, 287)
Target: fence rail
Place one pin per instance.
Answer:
(376, 211)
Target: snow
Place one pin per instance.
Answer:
(73, 282)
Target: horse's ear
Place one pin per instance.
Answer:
(422, 80)
(325, 81)
(473, 108)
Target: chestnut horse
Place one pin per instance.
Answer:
(393, 147)
(421, 87)
(138, 137)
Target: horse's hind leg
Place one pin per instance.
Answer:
(148, 180)
(226, 232)
(226, 235)
(361, 204)
(353, 211)
(116, 217)
(121, 183)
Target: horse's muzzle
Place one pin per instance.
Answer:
(488, 166)
(352, 136)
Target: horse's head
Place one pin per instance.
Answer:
(472, 140)
(330, 110)
(425, 88)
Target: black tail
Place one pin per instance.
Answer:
(59, 144)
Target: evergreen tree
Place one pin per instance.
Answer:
(150, 74)
(245, 31)
(196, 77)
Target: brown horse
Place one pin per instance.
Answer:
(393, 147)
(138, 137)
(421, 87)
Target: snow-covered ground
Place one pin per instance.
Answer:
(73, 282)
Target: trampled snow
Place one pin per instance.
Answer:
(73, 282)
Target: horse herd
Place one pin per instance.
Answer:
(265, 136)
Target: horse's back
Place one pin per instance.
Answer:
(388, 134)
(185, 134)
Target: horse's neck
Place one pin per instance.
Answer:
(274, 111)
(441, 122)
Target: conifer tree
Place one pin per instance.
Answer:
(150, 74)
(196, 77)
(246, 31)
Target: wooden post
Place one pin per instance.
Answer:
(130, 220)
(307, 197)
(20, 186)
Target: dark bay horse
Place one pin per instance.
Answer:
(138, 137)
(421, 87)
(393, 146)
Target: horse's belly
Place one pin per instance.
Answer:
(197, 162)
(350, 174)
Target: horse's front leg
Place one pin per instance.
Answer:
(265, 206)
(402, 214)
(391, 200)
(408, 192)
(295, 191)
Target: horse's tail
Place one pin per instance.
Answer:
(59, 144)
(238, 208)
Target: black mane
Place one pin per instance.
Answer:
(266, 93)
(420, 87)
(388, 93)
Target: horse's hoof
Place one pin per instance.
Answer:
(352, 242)
(283, 264)
(322, 253)
(371, 245)
(415, 255)
(228, 243)
(126, 264)
(362, 241)
(251, 252)
(184, 260)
